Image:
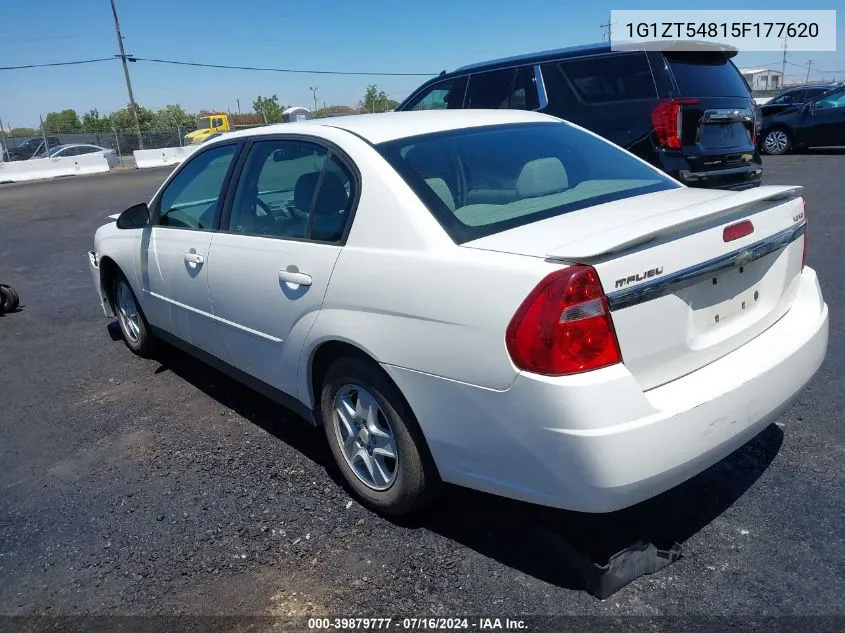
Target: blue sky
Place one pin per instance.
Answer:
(359, 35)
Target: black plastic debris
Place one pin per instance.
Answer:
(627, 565)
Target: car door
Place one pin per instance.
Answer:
(271, 264)
(826, 121)
(175, 251)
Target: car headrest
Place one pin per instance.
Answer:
(332, 196)
(303, 191)
(541, 177)
(439, 186)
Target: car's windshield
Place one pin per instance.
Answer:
(203, 124)
(481, 181)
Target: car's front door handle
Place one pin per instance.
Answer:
(294, 277)
(192, 257)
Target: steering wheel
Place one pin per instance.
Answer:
(264, 207)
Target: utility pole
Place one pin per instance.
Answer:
(783, 65)
(122, 56)
(809, 65)
(313, 90)
(607, 27)
(239, 105)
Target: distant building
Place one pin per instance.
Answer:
(762, 78)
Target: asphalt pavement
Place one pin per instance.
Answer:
(132, 486)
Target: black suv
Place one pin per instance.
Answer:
(689, 113)
(32, 147)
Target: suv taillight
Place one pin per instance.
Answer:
(804, 255)
(564, 326)
(666, 122)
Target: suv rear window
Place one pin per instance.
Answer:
(706, 75)
(480, 181)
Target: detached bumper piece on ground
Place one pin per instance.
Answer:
(9, 299)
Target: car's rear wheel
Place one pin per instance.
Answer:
(374, 438)
(133, 325)
(777, 141)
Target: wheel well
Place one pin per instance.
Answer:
(330, 351)
(109, 271)
(322, 359)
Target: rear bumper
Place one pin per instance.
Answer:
(596, 442)
(736, 178)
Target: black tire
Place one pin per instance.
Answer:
(144, 342)
(11, 300)
(416, 480)
(776, 141)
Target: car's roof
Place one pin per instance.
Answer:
(389, 126)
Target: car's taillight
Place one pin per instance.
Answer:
(757, 125)
(666, 121)
(804, 255)
(564, 326)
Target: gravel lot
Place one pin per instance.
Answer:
(132, 486)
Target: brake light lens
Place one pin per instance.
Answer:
(666, 121)
(738, 230)
(564, 327)
(804, 255)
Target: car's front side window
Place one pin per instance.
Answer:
(441, 96)
(291, 189)
(190, 200)
(831, 101)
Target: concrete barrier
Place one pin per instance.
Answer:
(160, 157)
(42, 168)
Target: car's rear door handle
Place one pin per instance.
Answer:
(294, 277)
(192, 257)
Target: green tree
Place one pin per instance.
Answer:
(122, 119)
(66, 121)
(23, 131)
(92, 122)
(269, 108)
(335, 110)
(173, 116)
(376, 100)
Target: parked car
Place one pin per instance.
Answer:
(795, 96)
(819, 122)
(689, 113)
(65, 151)
(32, 147)
(496, 299)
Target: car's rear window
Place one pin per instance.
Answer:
(484, 180)
(706, 74)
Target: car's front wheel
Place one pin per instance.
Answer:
(777, 141)
(374, 438)
(130, 318)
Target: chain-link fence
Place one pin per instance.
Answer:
(123, 142)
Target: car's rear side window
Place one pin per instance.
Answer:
(610, 78)
(484, 180)
(706, 74)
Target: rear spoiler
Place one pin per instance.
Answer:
(627, 236)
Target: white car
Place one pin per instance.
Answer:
(80, 149)
(496, 299)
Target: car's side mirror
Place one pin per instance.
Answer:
(135, 217)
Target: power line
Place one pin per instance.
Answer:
(81, 61)
(279, 70)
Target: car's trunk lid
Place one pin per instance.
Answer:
(681, 296)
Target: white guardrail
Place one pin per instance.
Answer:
(41, 168)
(145, 158)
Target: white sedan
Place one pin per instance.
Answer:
(81, 149)
(496, 299)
